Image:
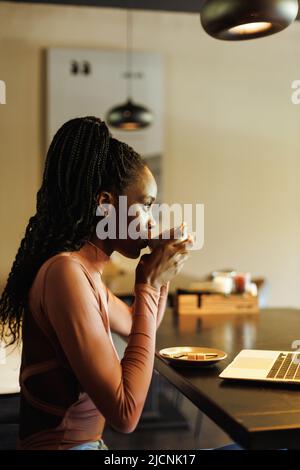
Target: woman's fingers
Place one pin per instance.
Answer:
(188, 242)
(178, 260)
(183, 250)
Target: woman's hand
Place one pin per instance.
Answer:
(164, 262)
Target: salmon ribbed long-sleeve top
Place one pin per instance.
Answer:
(72, 379)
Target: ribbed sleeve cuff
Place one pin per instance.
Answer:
(146, 288)
(146, 299)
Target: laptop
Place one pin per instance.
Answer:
(269, 366)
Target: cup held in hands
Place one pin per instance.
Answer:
(179, 234)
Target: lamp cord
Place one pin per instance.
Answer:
(129, 53)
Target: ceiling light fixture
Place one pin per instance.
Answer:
(234, 20)
(129, 116)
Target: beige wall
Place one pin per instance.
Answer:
(232, 134)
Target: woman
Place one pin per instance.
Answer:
(71, 377)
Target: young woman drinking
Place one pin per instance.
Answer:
(72, 380)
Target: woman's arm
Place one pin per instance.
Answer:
(120, 314)
(164, 290)
(118, 388)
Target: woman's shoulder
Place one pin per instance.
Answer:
(59, 268)
(57, 274)
(64, 263)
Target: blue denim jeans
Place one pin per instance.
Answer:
(100, 445)
(92, 445)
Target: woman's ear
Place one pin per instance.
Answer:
(105, 199)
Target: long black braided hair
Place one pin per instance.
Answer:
(82, 160)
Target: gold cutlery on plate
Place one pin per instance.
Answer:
(195, 356)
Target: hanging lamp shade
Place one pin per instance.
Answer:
(129, 116)
(235, 20)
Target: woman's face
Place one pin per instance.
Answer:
(140, 195)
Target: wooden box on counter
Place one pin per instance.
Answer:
(187, 302)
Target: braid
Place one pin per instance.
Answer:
(124, 163)
(82, 160)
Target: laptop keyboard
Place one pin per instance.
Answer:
(286, 367)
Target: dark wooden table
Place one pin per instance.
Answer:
(257, 415)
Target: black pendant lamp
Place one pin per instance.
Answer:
(129, 116)
(234, 20)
